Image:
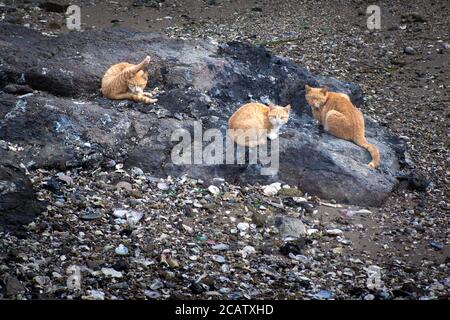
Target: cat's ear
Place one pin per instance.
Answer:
(271, 105)
(307, 88)
(324, 90)
(288, 108)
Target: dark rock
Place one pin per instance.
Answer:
(13, 286)
(121, 265)
(409, 50)
(202, 82)
(53, 7)
(197, 288)
(18, 204)
(412, 17)
(290, 227)
(17, 89)
(295, 247)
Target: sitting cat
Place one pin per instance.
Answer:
(340, 118)
(127, 81)
(254, 122)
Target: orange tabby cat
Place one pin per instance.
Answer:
(340, 118)
(127, 81)
(254, 122)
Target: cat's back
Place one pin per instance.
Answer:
(248, 112)
(341, 103)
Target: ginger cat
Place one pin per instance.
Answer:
(254, 122)
(127, 81)
(340, 118)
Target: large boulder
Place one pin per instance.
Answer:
(68, 123)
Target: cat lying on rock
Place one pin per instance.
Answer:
(253, 123)
(127, 81)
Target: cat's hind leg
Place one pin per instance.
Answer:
(338, 125)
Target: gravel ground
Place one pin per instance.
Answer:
(193, 241)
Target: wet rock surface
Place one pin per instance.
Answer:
(66, 123)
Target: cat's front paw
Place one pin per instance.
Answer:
(272, 136)
(149, 100)
(147, 60)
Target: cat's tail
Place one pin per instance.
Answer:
(374, 152)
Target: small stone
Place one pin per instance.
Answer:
(259, 219)
(120, 213)
(218, 258)
(323, 294)
(409, 50)
(94, 295)
(90, 215)
(247, 250)
(124, 185)
(137, 171)
(334, 232)
(169, 261)
(290, 227)
(152, 294)
(272, 189)
(196, 288)
(110, 272)
(436, 245)
(243, 226)
(13, 286)
(363, 211)
(295, 247)
(220, 247)
(65, 178)
(369, 297)
(121, 250)
(214, 190)
(163, 186)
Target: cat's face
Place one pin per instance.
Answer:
(279, 115)
(138, 83)
(316, 97)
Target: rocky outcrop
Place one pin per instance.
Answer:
(66, 122)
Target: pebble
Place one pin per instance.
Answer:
(91, 215)
(110, 272)
(272, 189)
(323, 294)
(137, 171)
(436, 245)
(213, 190)
(243, 226)
(290, 227)
(152, 294)
(409, 50)
(163, 186)
(121, 250)
(94, 295)
(218, 258)
(247, 250)
(334, 232)
(220, 247)
(124, 185)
